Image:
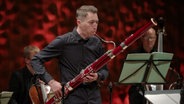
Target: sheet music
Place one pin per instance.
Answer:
(163, 96)
(135, 66)
(5, 97)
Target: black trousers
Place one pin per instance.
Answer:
(136, 94)
(84, 95)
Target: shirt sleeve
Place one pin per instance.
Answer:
(50, 51)
(103, 72)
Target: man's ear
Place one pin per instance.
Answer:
(78, 21)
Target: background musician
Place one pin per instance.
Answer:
(22, 79)
(136, 91)
(75, 50)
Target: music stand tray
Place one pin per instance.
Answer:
(149, 68)
(163, 96)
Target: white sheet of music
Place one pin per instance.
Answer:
(5, 97)
(163, 96)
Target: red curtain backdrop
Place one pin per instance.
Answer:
(38, 22)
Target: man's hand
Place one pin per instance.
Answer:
(90, 78)
(56, 88)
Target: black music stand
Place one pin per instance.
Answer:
(147, 68)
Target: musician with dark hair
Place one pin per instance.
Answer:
(75, 50)
(21, 80)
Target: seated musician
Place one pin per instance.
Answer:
(148, 45)
(22, 79)
(75, 50)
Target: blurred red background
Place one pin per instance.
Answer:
(38, 22)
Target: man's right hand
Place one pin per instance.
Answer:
(56, 88)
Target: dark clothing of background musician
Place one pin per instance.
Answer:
(19, 84)
(182, 95)
(74, 54)
(136, 91)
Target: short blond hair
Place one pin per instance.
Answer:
(83, 10)
(30, 49)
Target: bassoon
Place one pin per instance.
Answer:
(104, 59)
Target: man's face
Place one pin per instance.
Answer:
(28, 60)
(148, 40)
(88, 26)
(32, 54)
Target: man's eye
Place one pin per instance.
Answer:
(92, 22)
